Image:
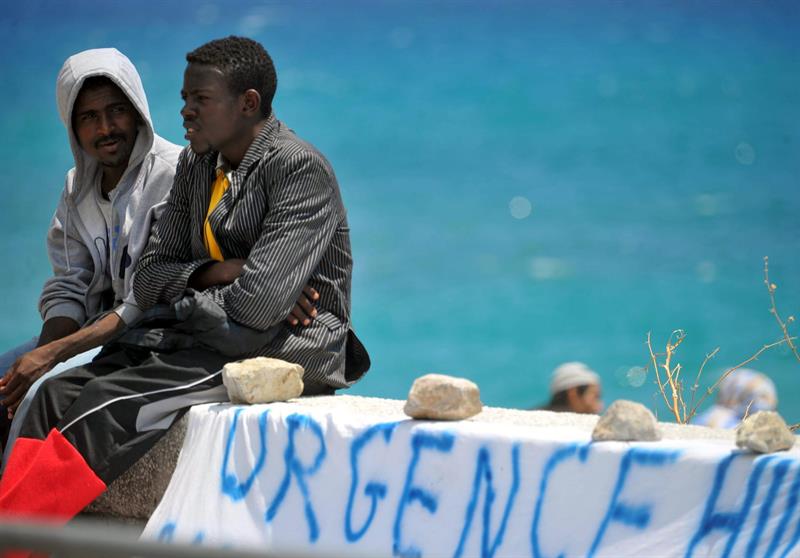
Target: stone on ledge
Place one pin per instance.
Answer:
(764, 432)
(440, 397)
(626, 421)
(262, 380)
(135, 494)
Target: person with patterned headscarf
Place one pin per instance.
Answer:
(743, 392)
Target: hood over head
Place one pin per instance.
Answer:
(111, 63)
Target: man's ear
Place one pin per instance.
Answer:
(251, 103)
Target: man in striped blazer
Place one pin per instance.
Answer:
(254, 215)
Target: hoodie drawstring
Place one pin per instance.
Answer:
(66, 227)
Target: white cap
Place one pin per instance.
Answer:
(570, 375)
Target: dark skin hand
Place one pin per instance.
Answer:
(34, 364)
(225, 272)
(23, 373)
(304, 311)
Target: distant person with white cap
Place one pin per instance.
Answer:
(742, 392)
(574, 388)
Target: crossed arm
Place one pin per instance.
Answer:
(226, 272)
(294, 232)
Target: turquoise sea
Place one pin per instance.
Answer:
(527, 182)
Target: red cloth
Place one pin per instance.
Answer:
(19, 461)
(47, 480)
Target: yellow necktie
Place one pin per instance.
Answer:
(218, 189)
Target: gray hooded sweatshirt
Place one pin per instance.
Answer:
(77, 236)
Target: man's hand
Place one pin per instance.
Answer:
(23, 373)
(304, 311)
(216, 273)
(227, 271)
(33, 365)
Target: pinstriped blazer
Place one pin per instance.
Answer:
(283, 214)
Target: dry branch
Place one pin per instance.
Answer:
(654, 360)
(696, 385)
(728, 372)
(771, 288)
(671, 381)
(675, 401)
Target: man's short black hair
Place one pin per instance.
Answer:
(245, 64)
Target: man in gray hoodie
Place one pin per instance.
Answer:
(123, 172)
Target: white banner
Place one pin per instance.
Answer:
(292, 477)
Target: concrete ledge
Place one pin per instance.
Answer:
(133, 497)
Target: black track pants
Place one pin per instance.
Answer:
(113, 437)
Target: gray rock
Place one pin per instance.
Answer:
(136, 493)
(626, 421)
(262, 380)
(764, 432)
(440, 397)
